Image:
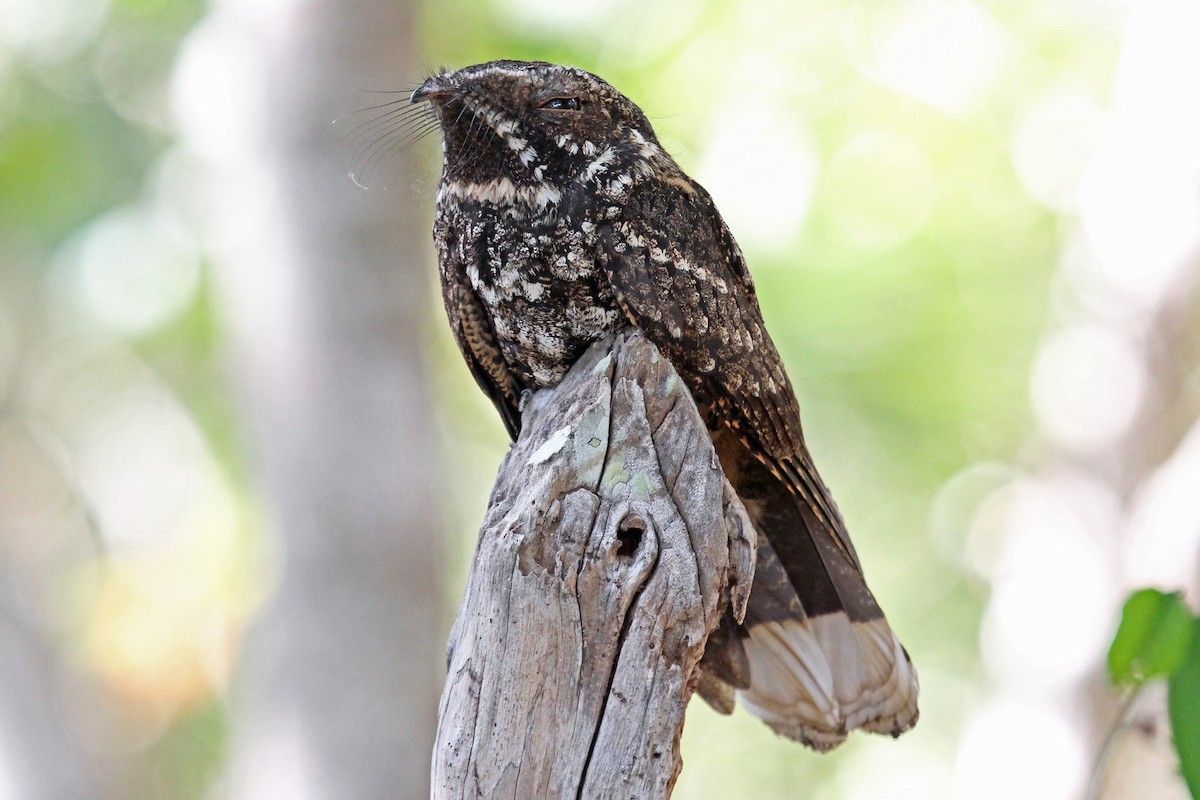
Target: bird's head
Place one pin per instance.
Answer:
(533, 123)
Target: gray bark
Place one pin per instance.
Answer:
(611, 548)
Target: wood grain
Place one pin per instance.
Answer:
(611, 548)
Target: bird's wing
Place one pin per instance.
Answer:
(473, 331)
(685, 284)
(821, 657)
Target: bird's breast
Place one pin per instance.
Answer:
(542, 286)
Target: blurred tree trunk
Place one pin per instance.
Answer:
(44, 756)
(324, 290)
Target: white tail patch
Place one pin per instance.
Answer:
(819, 679)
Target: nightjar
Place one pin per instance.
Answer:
(560, 219)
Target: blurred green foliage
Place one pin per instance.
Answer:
(84, 123)
(1160, 638)
(1183, 705)
(1152, 639)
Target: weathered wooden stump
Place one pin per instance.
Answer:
(611, 548)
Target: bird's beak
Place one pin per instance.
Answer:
(431, 88)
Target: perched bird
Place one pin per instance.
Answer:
(560, 220)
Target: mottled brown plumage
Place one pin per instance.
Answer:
(560, 219)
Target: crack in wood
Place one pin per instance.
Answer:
(601, 568)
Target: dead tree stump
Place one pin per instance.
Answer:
(611, 548)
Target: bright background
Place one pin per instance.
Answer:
(241, 467)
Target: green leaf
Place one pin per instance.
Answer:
(1152, 638)
(1183, 704)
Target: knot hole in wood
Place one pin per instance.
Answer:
(629, 535)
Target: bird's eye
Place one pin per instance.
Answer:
(562, 104)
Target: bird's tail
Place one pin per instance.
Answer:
(814, 657)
